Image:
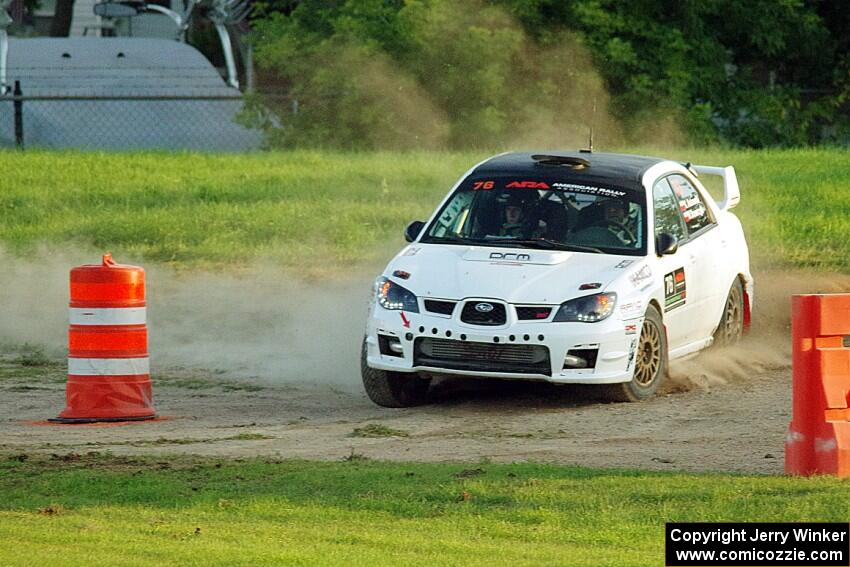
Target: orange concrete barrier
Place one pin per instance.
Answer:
(108, 369)
(818, 439)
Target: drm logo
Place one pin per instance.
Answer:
(510, 256)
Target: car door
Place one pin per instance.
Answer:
(676, 269)
(704, 249)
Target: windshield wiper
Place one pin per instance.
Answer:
(456, 239)
(552, 245)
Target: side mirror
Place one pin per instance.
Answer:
(413, 230)
(666, 243)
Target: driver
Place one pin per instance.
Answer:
(516, 214)
(614, 212)
(604, 223)
(614, 216)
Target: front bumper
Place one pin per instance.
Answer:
(614, 361)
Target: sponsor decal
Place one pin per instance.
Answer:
(693, 213)
(688, 203)
(510, 256)
(631, 358)
(631, 328)
(482, 185)
(412, 251)
(624, 264)
(675, 289)
(527, 185)
(405, 321)
(640, 276)
(589, 190)
(631, 309)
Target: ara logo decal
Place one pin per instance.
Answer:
(527, 185)
(675, 289)
(510, 256)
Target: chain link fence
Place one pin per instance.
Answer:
(176, 122)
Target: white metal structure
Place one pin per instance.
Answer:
(566, 301)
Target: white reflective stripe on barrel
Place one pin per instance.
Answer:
(112, 316)
(108, 366)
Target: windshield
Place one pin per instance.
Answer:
(542, 213)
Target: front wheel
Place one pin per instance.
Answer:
(392, 389)
(650, 362)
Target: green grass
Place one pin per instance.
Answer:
(102, 510)
(299, 209)
(311, 210)
(378, 430)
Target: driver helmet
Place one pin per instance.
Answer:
(517, 206)
(613, 210)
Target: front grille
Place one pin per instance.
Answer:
(471, 315)
(481, 357)
(441, 307)
(533, 313)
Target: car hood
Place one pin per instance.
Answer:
(516, 275)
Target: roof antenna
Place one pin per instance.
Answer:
(589, 148)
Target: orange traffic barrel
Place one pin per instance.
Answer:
(108, 365)
(818, 439)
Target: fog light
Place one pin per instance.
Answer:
(571, 361)
(581, 358)
(390, 346)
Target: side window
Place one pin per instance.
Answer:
(453, 218)
(667, 216)
(693, 208)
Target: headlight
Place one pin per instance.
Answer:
(587, 309)
(390, 295)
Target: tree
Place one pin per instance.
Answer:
(61, 24)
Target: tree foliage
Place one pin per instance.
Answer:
(429, 73)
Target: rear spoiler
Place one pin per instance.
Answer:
(731, 192)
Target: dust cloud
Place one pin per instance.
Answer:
(268, 325)
(768, 344)
(262, 324)
(471, 77)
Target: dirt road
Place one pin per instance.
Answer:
(725, 411)
(737, 427)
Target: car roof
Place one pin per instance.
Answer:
(623, 170)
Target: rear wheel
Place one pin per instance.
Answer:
(731, 327)
(650, 362)
(392, 389)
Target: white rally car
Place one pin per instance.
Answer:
(578, 268)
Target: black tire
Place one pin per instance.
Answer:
(731, 327)
(650, 362)
(392, 389)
